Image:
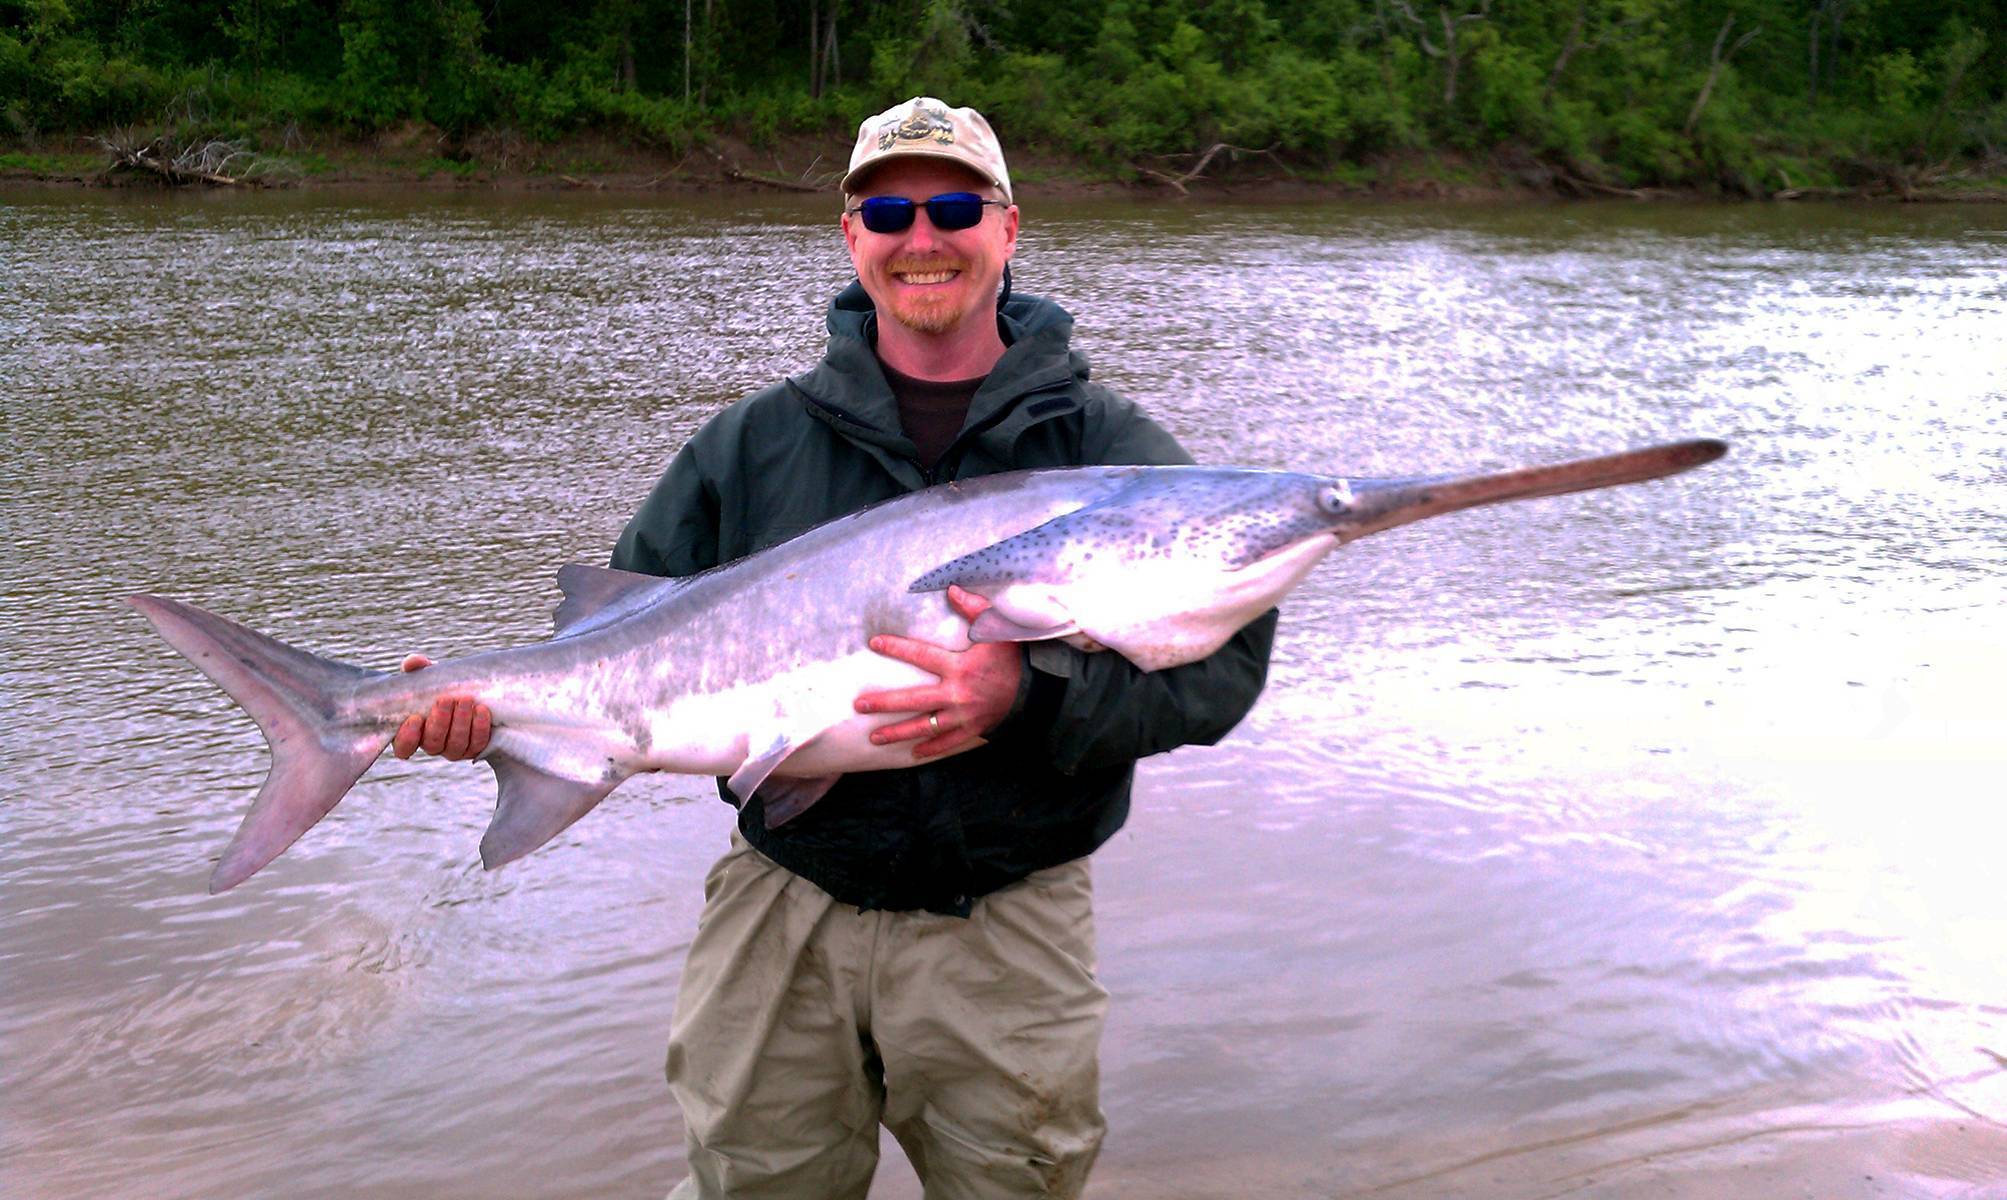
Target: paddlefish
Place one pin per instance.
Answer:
(749, 671)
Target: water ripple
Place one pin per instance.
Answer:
(1641, 835)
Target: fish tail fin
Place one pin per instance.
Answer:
(316, 755)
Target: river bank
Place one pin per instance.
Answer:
(422, 156)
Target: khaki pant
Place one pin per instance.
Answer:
(803, 1023)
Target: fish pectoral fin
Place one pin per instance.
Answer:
(596, 596)
(785, 797)
(532, 806)
(992, 626)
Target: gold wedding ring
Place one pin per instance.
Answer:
(934, 723)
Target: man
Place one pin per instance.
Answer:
(917, 949)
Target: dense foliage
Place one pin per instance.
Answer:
(1749, 94)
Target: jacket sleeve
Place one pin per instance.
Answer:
(1090, 711)
(675, 531)
(1101, 710)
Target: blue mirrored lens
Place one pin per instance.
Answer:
(949, 211)
(886, 214)
(955, 210)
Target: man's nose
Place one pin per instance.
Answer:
(922, 235)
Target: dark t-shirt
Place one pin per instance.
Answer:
(931, 413)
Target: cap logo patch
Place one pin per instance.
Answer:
(923, 123)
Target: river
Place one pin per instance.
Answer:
(1642, 842)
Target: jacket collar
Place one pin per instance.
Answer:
(848, 388)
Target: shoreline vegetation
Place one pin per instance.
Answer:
(1265, 99)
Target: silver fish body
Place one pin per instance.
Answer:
(750, 670)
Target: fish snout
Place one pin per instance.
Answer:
(1367, 506)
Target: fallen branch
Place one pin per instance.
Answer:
(1607, 189)
(739, 174)
(786, 185)
(1178, 182)
(209, 162)
(1905, 180)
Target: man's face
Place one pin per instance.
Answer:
(927, 279)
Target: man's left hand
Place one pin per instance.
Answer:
(976, 690)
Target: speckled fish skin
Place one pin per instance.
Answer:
(750, 670)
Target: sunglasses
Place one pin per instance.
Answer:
(948, 211)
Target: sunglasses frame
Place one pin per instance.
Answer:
(875, 210)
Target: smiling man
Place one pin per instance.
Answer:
(917, 949)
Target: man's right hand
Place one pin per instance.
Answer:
(456, 729)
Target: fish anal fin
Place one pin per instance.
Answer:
(785, 797)
(532, 806)
(594, 596)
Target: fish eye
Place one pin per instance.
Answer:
(1334, 498)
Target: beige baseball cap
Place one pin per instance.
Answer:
(924, 127)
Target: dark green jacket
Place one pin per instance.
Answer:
(1053, 783)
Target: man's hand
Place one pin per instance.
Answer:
(976, 691)
(456, 729)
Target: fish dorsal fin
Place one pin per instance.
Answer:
(596, 596)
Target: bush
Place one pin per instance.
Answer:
(1296, 107)
(18, 76)
(1645, 149)
(1505, 85)
(374, 89)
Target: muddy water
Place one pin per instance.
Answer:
(1642, 842)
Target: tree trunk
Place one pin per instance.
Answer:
(704, 84)
(1718, 64)
(1812, 58)
(1386, 52)
(1450, 61)
(833, 76)
(814, 51)
(1568, 49)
